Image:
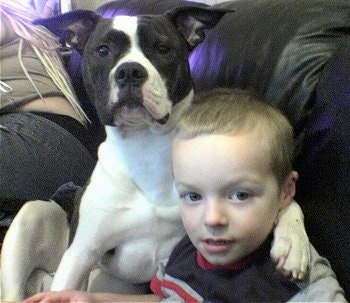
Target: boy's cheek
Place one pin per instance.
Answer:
(189, 218)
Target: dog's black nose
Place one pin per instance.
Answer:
(130, 73)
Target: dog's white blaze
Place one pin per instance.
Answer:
(127, 24)
(154, 90)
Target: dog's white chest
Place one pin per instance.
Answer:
(140, 162)
(131, 202)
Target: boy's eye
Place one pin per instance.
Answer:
(240, 195)
(192, 196)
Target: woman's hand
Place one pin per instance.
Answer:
(75, 296)
(63, 297)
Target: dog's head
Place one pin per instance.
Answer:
(135, 68)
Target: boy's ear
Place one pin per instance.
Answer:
(289, 188)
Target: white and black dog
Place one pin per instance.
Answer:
(136, 73)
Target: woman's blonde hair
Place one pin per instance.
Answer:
(234, 112)
(44, 44)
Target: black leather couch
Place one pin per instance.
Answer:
(296, 54)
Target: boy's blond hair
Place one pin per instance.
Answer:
(234, 111)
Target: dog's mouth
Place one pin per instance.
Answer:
(138, 107)
(136, 117)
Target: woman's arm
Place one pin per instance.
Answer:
(87, 297)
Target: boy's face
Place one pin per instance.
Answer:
(229, 196)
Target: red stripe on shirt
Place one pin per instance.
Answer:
(156, 287)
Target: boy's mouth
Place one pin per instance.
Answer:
(217, 245)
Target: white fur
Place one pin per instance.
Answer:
(131, 205)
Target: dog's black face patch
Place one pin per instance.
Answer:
(167, 50)
(100, 57)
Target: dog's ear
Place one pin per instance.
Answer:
(73, 28)
(193, 21)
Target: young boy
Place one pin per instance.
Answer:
(232, 165)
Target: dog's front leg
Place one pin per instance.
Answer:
(91, 240)
(73, 271)
(291, 244)
(83, 254)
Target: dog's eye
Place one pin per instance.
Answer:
(103, 50)
(163, 49)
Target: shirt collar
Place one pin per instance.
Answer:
(239, 265)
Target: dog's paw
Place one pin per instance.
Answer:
(290, 249)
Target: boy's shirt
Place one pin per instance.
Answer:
(189, 277)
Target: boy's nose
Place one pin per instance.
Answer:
(216, 214)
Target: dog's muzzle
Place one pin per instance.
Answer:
(130, 74)
(130, 78)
